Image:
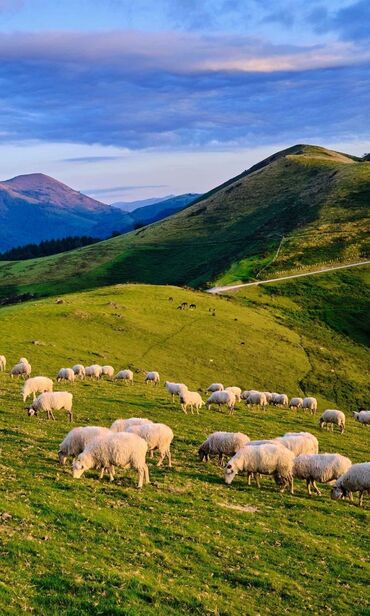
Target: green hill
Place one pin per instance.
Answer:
(311, 202)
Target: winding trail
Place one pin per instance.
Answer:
(225, 289)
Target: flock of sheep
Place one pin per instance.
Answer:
(126, 443)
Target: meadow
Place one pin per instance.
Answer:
(187, 543)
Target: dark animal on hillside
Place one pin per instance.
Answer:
(184, 304)
(170, 299)
(192, 306)
(180, 307)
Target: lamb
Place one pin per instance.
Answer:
(333, 417)
(125, 375)
(21, 369)
(322, 467)
(299, 442)
(215, 387)
(66, 374)
(356, 479)
(77, 439)
(279, 399)
(266, 459)
(120, 425)
(296, 403)
(310, 404)
(79, 370)
(192, 399)
(52, 401)
(222, 444)
(152, 377)
(363, 417)
(107, 371)
(222, 397)
(36, 385)
(94, 371)
(123, 449)
(175, 388)
(236, 391)
(257, 398)
(2, 363)
(157, 436)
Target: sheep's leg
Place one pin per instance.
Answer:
(350, 496)
(257, 478)
(102, 473)
(220, 459)
(111, 472)
(197, 409)
(316, 488)
(249, 478)
(146, 474)
(141, 475)
(161, 458)
(169, 457)
(361, 498)
(183, 408)
(70, 415)
(151, 454)
(308, 482)
(52, 415)
(192, 409)
(291, 485)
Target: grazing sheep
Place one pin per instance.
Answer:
(299, 442)
(157, 436)
(363, 417)
(36, 385)
(310, 404)
(152, 377)
(79, 370)
(268, 395)
(23, 360)
(356, 479)
(334, 418)
(220, 398)
(175, 389)
(222, 444)
(120, 425)
(125, 375)
(107, 371)
(257, 398)
(2, 362)
(192, 399)
(245, 395)
(21, 369)
(296, 403)
(77, 439)
(322, 467)
(65, 374)
(266, 459)
(94, 371)
(106, 452)
(279, 399)
(215, 387)
(236, 391)
(52, 401)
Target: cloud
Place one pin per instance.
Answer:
(121, 189)
(90, 159)
(351, 22)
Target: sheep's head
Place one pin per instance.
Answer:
(230, 472)
(78, 468)
(337, 493)
(203, 452)
(31, 412)
(62, 458)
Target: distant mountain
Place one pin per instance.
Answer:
(130, 206)
(159, 210)
(36, 207)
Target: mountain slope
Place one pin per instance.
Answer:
(314, 199)
(130, 206)
(162, 209)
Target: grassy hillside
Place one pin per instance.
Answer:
(310, 202)
(186, 543)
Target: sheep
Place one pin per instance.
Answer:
(268, 395)
(157, 436)
(125, 375)
(21, 369)
(215, 387)
(175, 388)
(2, 363)
(105, 452)
(79, 370)
(52, 401)
(192, 399)
(66, 374)
(236, 391)
(322, 467)
(333, 417)
(257, 398)
(222, 443)
(266, 459)
(363, 417)
(152, 377)
(296, 403)
(23, 360)
(356, 479)
(248, 392)
(310, 404)
(107, 371)
(36, 385)
(279, 399)
(220, 398)
(299, 442)
(120, 425)
(94, 371)
(77, 439)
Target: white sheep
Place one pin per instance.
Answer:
(125, 375)
(107, 371)
(221, 398)
(266, 459)
(152, 377)
(192, 399)
(175, 388)
(279, 399)
(79, 370)
(222, 444)
(23, 360)
(322, 467)
(21, 369)
(299, 442)
(77, 439)
(120, 425)
(122, 449)
(248, 392)
(296, 403)
(236, 391)
(257, 398)
(2, 363)
(36, 385)
(94, 371)
(157, 436)
(52, 401)
(356, 479)
(268, 395)
(215, 387)
(310, 404)
(363, 417)
(332, 417)
(66, 374)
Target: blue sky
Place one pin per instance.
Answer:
(127, 99)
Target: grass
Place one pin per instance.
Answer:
(186, 544)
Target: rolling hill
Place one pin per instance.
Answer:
(157, 211)
(299, 208)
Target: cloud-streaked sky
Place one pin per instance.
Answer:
(143, 98)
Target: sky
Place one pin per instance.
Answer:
(129, 99)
